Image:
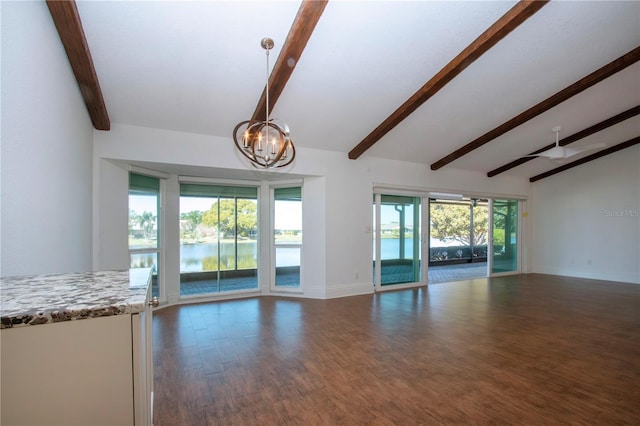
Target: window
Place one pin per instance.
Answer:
(287, 237)
(218, 238)
(459, 231)
(144, 236)
(505, 236)
(399, 255)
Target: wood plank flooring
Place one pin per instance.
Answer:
(527, 349)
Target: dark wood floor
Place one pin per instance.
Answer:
(528, 349)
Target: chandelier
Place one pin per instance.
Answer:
(267, 143)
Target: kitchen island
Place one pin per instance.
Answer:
(76, 348)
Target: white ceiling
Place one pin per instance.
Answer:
(198, 67)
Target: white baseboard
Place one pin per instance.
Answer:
(564, 272)
(350, 289)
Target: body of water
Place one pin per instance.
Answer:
(199, 257)
(204, 257)
(390, 248)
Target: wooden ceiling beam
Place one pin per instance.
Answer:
(303, 25)
(577, 87)
(632, 112)
(503, 26)
(588, 158)
(67, 21)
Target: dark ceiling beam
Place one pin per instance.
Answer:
(588, 158)
(303, 25)
(632, 112)
(577, 87)
(67, 21)
(503, 26)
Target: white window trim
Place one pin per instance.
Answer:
(147, 172)
(273, 288)
(214, 181)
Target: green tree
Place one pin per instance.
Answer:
(247, 222)
(134, 219)
(505, 222)
(451, 221)
(192, 220)
(147, 221)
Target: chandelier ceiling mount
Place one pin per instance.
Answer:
(267, 144)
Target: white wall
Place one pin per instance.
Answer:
(110, 249)
(46, 150)
(586, 221)
(337, 198)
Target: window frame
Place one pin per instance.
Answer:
(272, 245)
(223, 184)
(158, 250)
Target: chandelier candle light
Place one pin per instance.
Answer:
(267, 143)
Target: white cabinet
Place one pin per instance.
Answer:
(141, 327)
(95, 371)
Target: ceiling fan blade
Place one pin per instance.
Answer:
(555, 152)
(573, 151)
(559, 153)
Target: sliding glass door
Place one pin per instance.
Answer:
(465, 230)
(218, 238)
(505, 236)
(397, 247)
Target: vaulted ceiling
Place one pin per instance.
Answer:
(462, 84)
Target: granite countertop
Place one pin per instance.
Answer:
(43, 299)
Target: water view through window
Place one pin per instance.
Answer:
(144, 241)
(287, 236)
(400, 250)
(218, 238)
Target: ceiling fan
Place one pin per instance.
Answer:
(560, 152)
